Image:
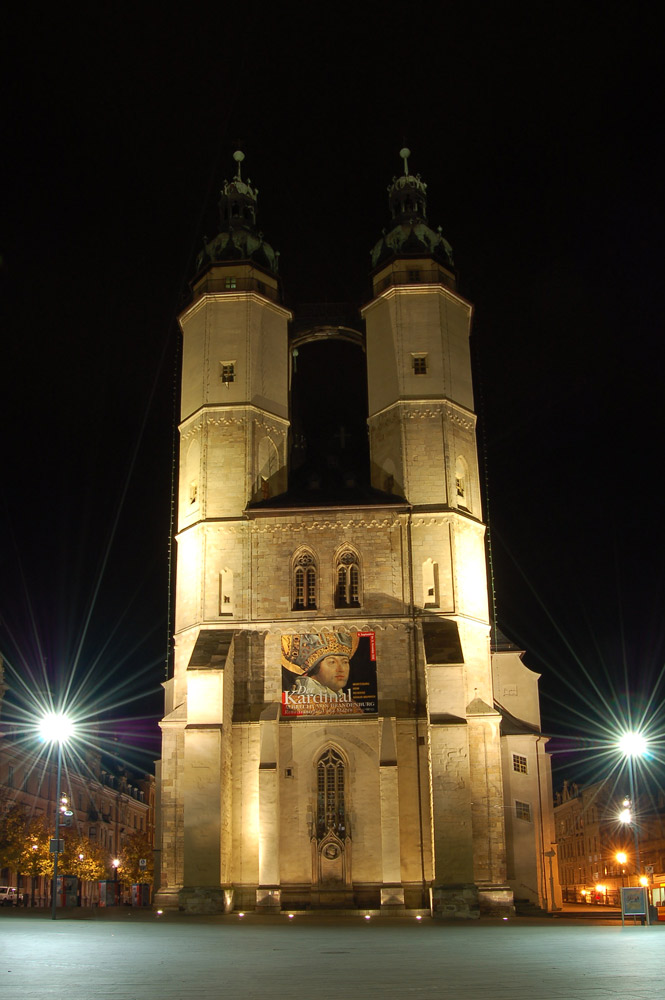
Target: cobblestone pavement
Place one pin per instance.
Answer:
(137, 955)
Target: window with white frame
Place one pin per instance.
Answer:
(523, 810)
(520, 764)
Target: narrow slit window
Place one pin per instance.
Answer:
(347, 591)
(226, 592)
(304, 582)
(330, 806)
(430, 584)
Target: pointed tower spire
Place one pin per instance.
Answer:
(411, 235)
(239, 238)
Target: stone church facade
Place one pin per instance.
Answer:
(337, 729)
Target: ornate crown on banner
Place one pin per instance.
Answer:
(301, 653)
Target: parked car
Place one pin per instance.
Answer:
(9, 896)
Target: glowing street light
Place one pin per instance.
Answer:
(56, 727)
(632, 745)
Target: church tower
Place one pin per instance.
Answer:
(233, 449)
(423, 447)
(331, 737)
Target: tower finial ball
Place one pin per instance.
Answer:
(238, 156)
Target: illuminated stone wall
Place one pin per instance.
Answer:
(424, 781)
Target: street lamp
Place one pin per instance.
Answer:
(115, 864)
(56, 727)
(632, 745)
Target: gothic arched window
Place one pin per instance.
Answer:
(330, 799)
(304, 581)
(347, 579)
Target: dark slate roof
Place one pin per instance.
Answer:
(512, 726)
(442, 642)
(211, 649)
(501, 643)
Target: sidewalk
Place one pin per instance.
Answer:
(130, 954)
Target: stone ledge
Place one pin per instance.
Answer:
(205, 899)
(455, 902)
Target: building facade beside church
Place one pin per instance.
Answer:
(338, 731)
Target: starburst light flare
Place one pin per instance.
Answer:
(56, 727)
(633, 744)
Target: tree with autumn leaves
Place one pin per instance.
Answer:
(136, 848)
(25, 849)
(82, 857)
(24, 844)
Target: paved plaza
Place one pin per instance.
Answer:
(137, 955)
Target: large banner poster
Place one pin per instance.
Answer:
(328, 673)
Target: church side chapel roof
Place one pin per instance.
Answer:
(500, 642)
(411, 235)
(512, 726)
(320, 490)
(239, 239)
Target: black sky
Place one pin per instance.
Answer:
(535, 127)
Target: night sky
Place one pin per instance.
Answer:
(535, 127)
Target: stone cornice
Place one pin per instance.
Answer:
(392, 291)
(211, 414)
(233, 297)
(261, 525)
(425, 409)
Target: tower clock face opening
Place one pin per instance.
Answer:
(329, 441)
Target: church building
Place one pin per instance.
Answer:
(343, 728)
